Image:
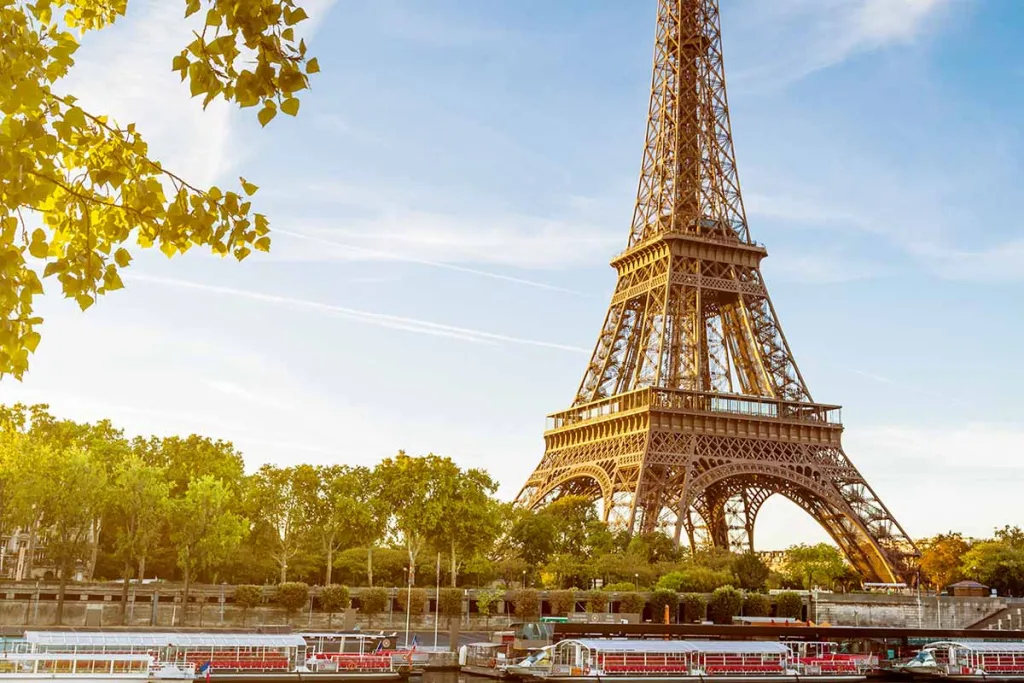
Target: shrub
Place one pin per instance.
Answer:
(248, 597)
(562, 602)
(292, 596)
(726, 602)
(412, 600)
(451, 603)
(789, 605)
(751, 572)
(334, 598)
(373, 601)
(526, 602)
(660, 599)
(695, 607)
(620, 587)
(756, 605)
(694, 579)
(597, 601)
(486, 602)
(632, 603)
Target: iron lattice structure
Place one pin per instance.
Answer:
(692, 411)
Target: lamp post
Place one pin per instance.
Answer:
(524, 578)
(636, 581)
(408, 602)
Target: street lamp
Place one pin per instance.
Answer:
(524, 578)
(636, 581)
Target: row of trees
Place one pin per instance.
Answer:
(997, 562)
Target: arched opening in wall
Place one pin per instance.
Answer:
(781, 523)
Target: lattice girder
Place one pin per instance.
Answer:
(692, 410)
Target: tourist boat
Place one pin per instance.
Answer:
(18, 667)
(812, 658)
(536, 662)
(647, 661)
(968, 660)
(274, 658)
(487, 659)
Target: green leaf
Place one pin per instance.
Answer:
(290, 106)
(313, 66)
(267, 114)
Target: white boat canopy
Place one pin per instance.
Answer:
(82, 639)
(1002, 647)
(745, 647)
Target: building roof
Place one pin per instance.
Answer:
(967, 584)
(681, 646)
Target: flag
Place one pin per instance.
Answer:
(380, 647)
(412, 650)
(206, 668)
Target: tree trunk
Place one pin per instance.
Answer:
(124, 592)
(97, 527)
(284, 569)
(184, 597)
(455, 567)
(330, 563)
(31, 552)
(60, 594)
(369, 566)
(142, 568)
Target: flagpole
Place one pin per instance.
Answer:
(408, 603)
(437, 600)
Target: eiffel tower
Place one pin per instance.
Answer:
(692, 411)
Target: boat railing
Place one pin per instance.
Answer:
(358, 662)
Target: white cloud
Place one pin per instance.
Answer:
(1001, 263)
(801, 37)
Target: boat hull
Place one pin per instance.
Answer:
(688, 678)
(324, 676)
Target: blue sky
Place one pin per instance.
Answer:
(447, 201)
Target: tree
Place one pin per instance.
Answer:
(529, 538)
(412, 600)
(725, 603)
(526, 602)
(695, 579)
(60, 489)
(334, 598)
(407, 488)
(486, 601)
(340, 505)
(472, 516)
(292, 596)
(373, 601)
(659, 600)
(756, 605)
(140, 501)
(205, 530)
(998, 562)
(450, 603)
(789, 605)
(942, 558)
(695, 607)
(750, 571)
(562, 602)
(815, 565)
(78, 186)
(248, 597)
(632, 603)
(275, 502)
(597, 601)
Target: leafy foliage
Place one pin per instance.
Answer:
(372, 602)
(597, 601)
(695, 607)
(750, 571)
(526, 602)
(77, 187)
(815, 565)
(789, 605)
(487, 602)
(451, 602)
(412, 601)
(695, 579)
(725, 603)
(659, 600)
(756, 605)
(632, 603)
(998, 562)
(292, 596)
(942, 559)
(562, 602)
(334, 598)
(248, 596)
